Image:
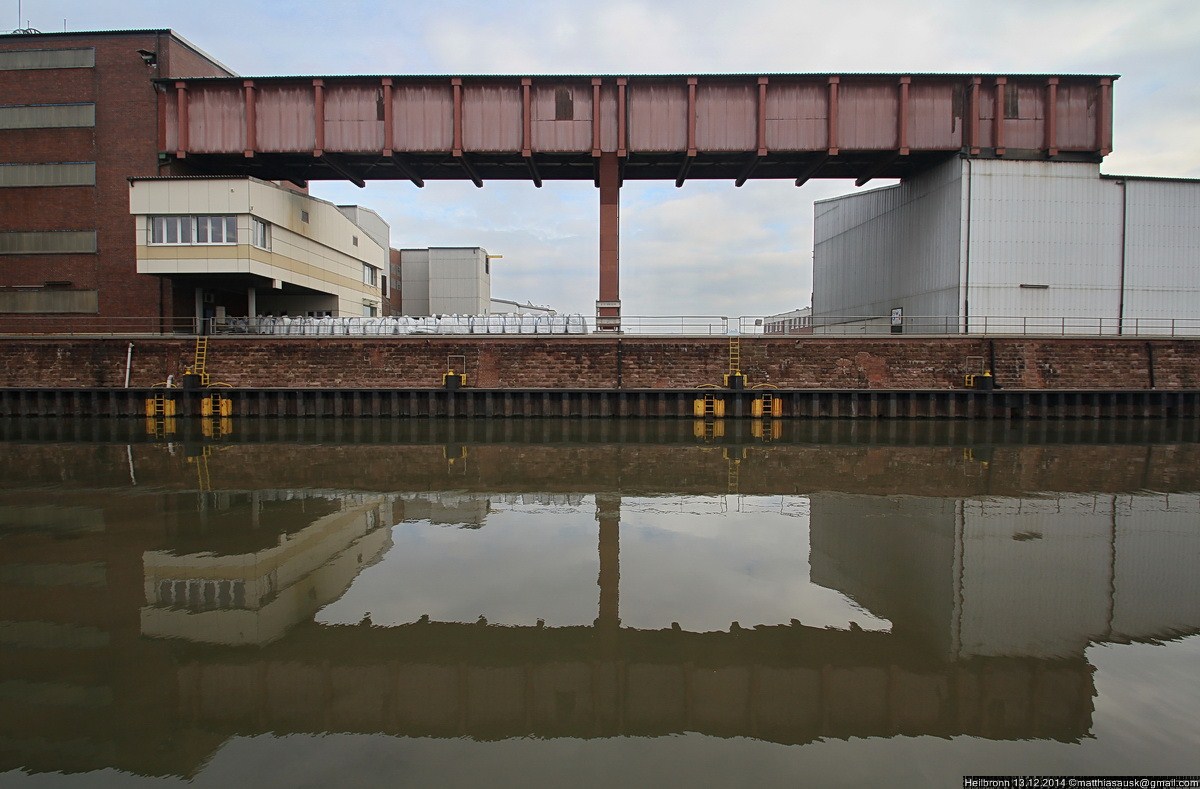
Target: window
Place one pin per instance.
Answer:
(383, 286)
(564, 106)
(369, 311)
(216, 230)
(1012, 106)
(370, 275)
(354, 240)
(304, 216)
(193, 230)
(260, 233)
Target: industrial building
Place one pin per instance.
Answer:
(990, 245)
(793, 322)
(78, 113)
(247, 247)
(445, 281)
(85, 188)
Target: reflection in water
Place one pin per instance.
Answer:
(786, 593)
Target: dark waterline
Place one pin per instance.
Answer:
(562, 602)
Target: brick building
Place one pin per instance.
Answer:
(78, 118)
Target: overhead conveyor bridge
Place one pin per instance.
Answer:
(610, 129)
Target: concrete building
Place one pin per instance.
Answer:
(78, 116)
(794, 322)
(445, 281)
(241, 246)
(1011, 246)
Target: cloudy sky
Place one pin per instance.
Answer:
(707, 248)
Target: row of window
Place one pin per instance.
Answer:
(216, 230)
(187, 230)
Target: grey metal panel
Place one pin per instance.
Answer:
(52, 241)
(49, 300)
(31, 59)
(1036, 574)
(891, 247)
(1043, 223)
(48, 174)
(1162, 249)
(1157, 548)
(48, 116)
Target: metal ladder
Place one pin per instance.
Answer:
(768, 404)
(735, 355)
(710, 405)
(200, 361)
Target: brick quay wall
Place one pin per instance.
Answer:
(610, 363)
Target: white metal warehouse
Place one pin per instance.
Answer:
(980, 246)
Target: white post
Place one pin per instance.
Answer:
(128, 363)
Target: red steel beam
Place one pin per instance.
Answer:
(832, 135)
(526, 117)
(251, 119)
(973, 142)
(608, 306)
(998, 117)
(1052, 116)
(902, 121)
(596, 116)
(762, 116)
(319, 117)
(1104, 118)
(389, 132)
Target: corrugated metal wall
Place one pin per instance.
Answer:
(1162, 249)
(1042, 223)
(1045, 248)
(1035, 577)
(891, 247)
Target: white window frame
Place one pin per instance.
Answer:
(179, 230)
(260, 233)
(370, 275)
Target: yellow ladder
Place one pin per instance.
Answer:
(203, 478)
(768, 404)
(735, 355)
(200, 361)
(710, 405)
(160, 405)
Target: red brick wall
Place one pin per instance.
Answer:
(123, 143)
(592, 362)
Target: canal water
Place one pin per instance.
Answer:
(587, 603)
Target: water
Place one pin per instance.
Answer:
(544, 603)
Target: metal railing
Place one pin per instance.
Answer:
(574, 325)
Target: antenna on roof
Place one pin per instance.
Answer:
(27, 29)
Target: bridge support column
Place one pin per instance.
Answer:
(608, 513)
(608, 306)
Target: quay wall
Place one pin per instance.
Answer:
(608, 363)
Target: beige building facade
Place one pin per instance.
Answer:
(246, 247)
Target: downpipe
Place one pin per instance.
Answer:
(128, 363)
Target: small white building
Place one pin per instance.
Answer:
(242, 246)
(445, 281)
(999, 246)
(794, 322)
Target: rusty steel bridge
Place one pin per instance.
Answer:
(609, 129)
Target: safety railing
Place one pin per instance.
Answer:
(574, 325)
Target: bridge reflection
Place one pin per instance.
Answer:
(145, 641)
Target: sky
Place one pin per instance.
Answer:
(707, 248)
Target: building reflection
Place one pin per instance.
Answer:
(144, 641)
